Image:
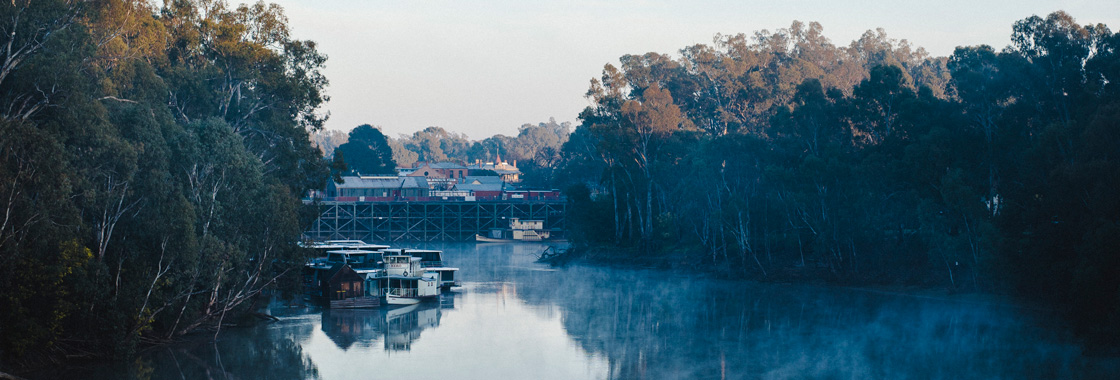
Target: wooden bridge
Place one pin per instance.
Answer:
(429, 220)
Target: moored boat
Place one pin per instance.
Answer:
(322, 247)
(402, 290)
(403, 281)
(344, 288)
(519, 230)
(318, 274)
(431, 261)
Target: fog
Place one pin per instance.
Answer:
(514, 318)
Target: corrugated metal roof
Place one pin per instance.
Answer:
(353, 182)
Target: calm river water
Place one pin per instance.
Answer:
(515, 319)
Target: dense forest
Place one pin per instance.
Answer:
(781, 156)
(151, 165)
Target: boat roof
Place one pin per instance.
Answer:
(344, 242)
(376, 247)
(410, 257)
(399, 277)
(352, 252)
(411, 250)
(440, 269)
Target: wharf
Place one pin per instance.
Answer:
(390, 221)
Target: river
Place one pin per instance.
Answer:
(516, 319)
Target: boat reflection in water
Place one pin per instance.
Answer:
(514, 318)
(404, 324)
(396, 327)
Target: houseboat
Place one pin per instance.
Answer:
(519, 230)
(431, 261)
(344, 288)
(318, 272)
(321, 248)
(401, 290)
(403, 281)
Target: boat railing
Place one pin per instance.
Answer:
(431, 264)
(401, 292)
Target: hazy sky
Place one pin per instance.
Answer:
(486, 67)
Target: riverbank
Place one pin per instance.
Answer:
(682, 259)
(1097, 340)
(598, 321)
(70, 357)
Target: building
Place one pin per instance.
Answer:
(436, 178)
(506, 171)
(450, 169)
(372, 188)
(483, 187)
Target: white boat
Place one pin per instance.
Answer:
(448, 277)
(519, 230)
(398, 263)
(322, 247)
(401, 290)
(431, 261)
(403, 281)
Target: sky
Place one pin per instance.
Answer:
(486, 67)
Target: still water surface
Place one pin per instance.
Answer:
(515, 319)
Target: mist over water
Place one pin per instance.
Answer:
(514, 318)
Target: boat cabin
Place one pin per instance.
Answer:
(447, 276)
(401, 290)
(321, 248)
(519, 230)
(357, 258)
(345, 288)
(402, 265)
(429, 258)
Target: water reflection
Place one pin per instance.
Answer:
(514, 318)
(404, 324)
(269, 352)
(652, 324)
(349, 326)
(396, 328)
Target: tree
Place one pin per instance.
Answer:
(368, 152)
(878, 100)
(653, 118)
(151, 163)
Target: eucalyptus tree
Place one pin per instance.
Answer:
(151, 164)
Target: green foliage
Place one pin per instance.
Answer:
(793, 158)
(367, 152)
(151, 163)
